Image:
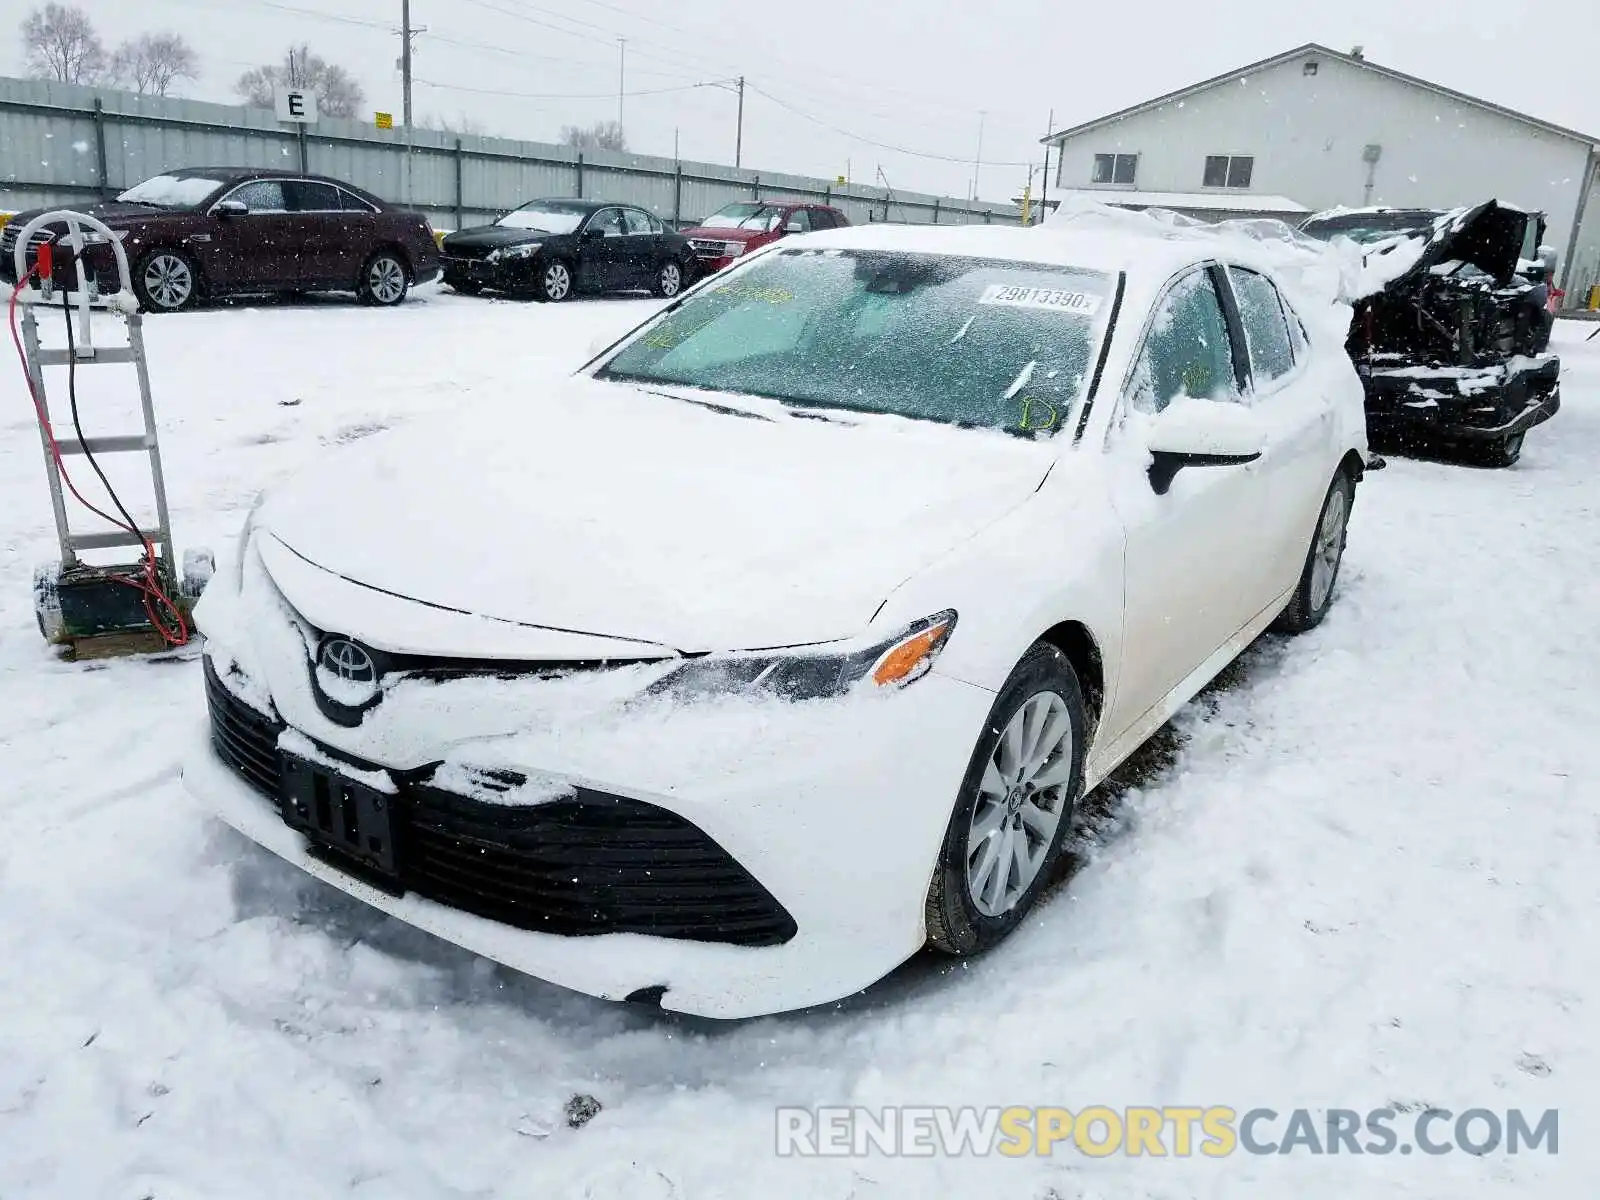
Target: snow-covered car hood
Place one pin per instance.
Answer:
(604, 509)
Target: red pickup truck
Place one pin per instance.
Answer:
(740, 228)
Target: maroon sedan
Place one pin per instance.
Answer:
(208, 232)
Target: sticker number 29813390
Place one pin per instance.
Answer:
(1062, 300)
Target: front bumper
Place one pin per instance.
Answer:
(1463, 406)
(500, 275)
(837, 810)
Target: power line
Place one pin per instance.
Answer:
(946, 158)
(612, 95)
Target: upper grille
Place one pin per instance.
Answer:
(466, 253)
(245, 739)
(593, 864)
(707, 248)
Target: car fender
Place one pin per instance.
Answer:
(1058, 558)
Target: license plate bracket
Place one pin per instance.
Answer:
(341, 815)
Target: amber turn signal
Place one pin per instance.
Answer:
(911, 657)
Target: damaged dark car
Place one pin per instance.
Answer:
(1451, 339)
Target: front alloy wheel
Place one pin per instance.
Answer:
(1014, 809)
(1021, 800)
(166, 281)
(555, 284)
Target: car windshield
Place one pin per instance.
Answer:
(971, 342)
(764, 217)
(545, 217)
(1367, 228)
(172, 191)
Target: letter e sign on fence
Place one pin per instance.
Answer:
(297, 107)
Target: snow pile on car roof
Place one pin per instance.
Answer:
(1320, 279)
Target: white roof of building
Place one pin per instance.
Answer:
(1233, 202)
(1311, 49)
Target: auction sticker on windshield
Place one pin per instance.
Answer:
(1084, 304)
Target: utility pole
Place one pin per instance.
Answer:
(1044, 198)
(622, 73)
(405, 62)
(977, 159)
(408, 34)
(738, 138)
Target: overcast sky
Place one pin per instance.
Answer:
(829, 78)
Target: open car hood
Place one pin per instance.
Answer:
(1488, 235)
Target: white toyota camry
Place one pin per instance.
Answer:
(780, 641)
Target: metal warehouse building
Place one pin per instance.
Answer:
(1312, 128)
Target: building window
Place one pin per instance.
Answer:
(1115, 168)
(1230, 171)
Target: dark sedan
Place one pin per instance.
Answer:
(549, 249)
(225, 231)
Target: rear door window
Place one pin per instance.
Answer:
(351, 202)
(308, 197)
(1266, 329)
(1188, 351)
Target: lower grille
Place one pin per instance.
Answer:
(245, 739)
(589, 865)
(593, 864)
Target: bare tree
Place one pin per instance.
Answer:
(462, 126)
(602, 135)
(59, 42)
(151, 64)
(338, 94)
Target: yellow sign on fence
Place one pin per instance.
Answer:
(385, 120)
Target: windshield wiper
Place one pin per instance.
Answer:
(723, 409)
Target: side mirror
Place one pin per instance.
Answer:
(1202, 433)
(795, 227)
(232, 208)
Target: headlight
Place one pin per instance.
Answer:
(803, 675)
(527, 250)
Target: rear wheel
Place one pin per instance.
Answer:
(166, 281)
(669, 280)
(1014, 809)
(1314, 594)
(384, 281)
(554, 283)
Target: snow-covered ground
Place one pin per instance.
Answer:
(1366, 873)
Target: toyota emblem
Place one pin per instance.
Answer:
(350, 670)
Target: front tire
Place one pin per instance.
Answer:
(384, 280)
(668, 281)
(1313, 596)
(554, 282)
(1014, 809)
(166, 281)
